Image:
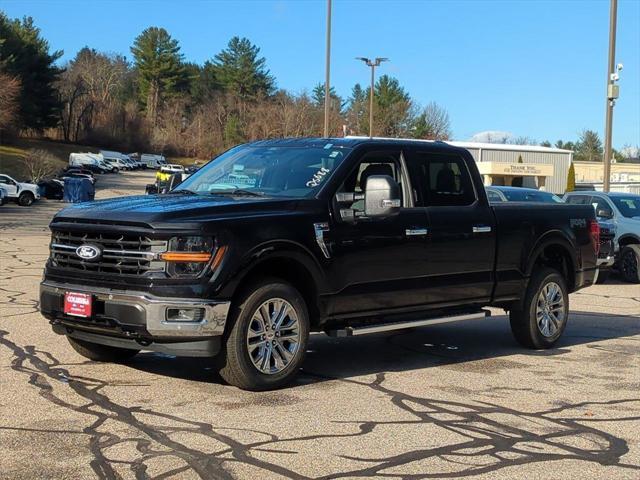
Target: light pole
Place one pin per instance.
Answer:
(612, 93)
(327, 96)
(373, 64)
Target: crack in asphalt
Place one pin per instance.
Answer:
(488, 444)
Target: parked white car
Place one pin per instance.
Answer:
(92, 161)
(23, 193)
(116, 158)
(153, 161)
(172, 168)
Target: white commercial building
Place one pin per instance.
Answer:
(521, 165)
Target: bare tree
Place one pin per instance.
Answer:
(9, 91)
(522, 140)
(433, 123)
(38, 164)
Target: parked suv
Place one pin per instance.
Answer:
(275, 239)
(622, 210)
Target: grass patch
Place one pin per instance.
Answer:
(11, 155)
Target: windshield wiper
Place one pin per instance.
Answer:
(238, 192)
(184, 191)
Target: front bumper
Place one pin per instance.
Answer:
(138, 318)
(606, 262)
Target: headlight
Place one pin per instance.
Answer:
(188, 256)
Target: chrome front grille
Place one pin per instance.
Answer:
(606, 244)
(120, 254)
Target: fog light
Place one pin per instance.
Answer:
(185, 314)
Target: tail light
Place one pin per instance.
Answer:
(594, 231)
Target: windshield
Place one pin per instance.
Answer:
(628, 206)
(531, 196)
(270, 171)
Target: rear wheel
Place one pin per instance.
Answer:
(630, 263)
(268, 337)
(101, 353)
(26, 199)
(543, 318)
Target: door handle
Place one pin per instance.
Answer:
(481, 229)
(416, 232)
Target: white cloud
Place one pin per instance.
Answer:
(492, 136)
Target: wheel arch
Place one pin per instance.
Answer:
(628, 239)
(555, 251)
(287, 261)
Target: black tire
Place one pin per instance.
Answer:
(236, 366)
(115, 170)
(603, 276)
(630, 263)
(524, 323)
(26, 199)
(101, 353)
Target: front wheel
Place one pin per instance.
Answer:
(267, 340)
(630, 263)
(543, 318)
(26, 199)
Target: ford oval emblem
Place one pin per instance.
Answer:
(88, 252)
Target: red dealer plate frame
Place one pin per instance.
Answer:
(78, 304)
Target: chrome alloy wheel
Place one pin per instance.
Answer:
(273, 336)
(550, 309)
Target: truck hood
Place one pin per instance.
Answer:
(154, 210)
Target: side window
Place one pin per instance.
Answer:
(440, 180)
(4, 180)
(372, 163)
(579, 199)
(602, 206)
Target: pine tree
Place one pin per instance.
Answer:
(317, 95)
(161, 72)
(589, 147)
(357, 111)
(233, 132)
(393, 109)
(571, 179)
(240, 71)
(25, 55)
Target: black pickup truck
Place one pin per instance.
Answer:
(276, 239)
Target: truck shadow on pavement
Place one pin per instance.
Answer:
(466, 346)
(488, 436)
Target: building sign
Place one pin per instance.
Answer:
(515, 169)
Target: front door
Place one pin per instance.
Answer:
(378, 264)
(9, 186)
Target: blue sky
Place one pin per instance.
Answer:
(529, 67)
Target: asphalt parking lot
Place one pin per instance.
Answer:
(446, 401)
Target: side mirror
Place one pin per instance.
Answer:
(381, 197)
(602, 213)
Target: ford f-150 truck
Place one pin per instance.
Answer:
(276, 239)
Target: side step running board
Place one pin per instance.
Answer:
(385, 327)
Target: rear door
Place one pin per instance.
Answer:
(461, 241)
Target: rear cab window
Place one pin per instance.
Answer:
(440, 179)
